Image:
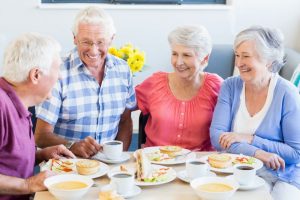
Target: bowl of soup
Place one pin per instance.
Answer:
(68, 186)
(214, 188)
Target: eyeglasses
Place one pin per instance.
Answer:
(89, 44)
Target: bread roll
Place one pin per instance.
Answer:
(220, 160)
(170, 150)
(87, 167)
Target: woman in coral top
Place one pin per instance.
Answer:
(181, 104)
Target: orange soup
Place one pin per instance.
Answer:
(215, 187)
(69, 185)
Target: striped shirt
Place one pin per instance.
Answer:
(80, 107)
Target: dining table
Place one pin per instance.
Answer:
(174, 190)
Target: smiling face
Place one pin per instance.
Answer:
(185, 61)
(92, 44)
(251, 67)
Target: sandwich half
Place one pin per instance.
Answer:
(143, 166)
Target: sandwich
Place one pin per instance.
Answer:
(87, 167)
(220, 160)
(143, 166)
(170, 150)
(109, 195)
(58, 165)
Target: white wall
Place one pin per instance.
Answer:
(148, 28)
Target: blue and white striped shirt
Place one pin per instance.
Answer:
(79, 107)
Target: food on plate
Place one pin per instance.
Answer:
(58, 165)
(170, 150)
(123, 168)
(87, 167)
(220, 160)
(215, 187)
(244, 160)
(109, 195)
(69, 185)
(145, 171)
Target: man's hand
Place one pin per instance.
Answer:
(55, 152)
(36, 183)
(228, 138)
(271, 160)
(86, 148)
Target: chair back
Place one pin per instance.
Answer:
(142, 134)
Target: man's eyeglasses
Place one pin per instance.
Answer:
(89, 44)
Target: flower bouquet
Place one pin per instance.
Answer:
(134, 57)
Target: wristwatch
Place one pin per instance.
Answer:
(69, 144)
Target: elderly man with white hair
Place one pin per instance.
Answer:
(31, 68)
(91, 102)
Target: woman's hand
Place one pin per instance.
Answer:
(228, 138)
(271, 160)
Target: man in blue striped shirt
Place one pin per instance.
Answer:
(91, 102)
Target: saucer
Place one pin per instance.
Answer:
(100, 156)
(182, 175)
(258, 182)
(135, 191)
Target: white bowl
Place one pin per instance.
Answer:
(73, 194)
(205, 195)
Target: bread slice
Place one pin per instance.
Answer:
(109, 195)
(220, 160)
(87, 167)
(170, 150)
(143, 165)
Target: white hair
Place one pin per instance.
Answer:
(196, 37)
(28, 51)
(268, 44)
(96, 16)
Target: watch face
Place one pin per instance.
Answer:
(69, 144)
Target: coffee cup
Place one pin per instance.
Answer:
(122, 182)
(196, 168)
(244, 174)
(113, 149)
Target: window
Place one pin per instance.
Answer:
(139, 1)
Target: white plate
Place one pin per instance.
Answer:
(100, 156)
(134, 192)
(170, 161)
(182, 175)
(170, 176)
(257, 165)
(258, 182)
(103, 169)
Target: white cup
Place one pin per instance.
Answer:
(122, 182)
(196, 168)
(244, 174)
(113, 149)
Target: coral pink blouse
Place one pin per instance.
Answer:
(176, 122)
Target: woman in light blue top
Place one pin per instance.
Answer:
(258, 112)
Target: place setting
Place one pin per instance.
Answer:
(112, 153)
(194, 168)
(246, 176)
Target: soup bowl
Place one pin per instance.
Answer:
(68, 186)
(214, 188)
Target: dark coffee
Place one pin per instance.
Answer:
(113, 143)
(122, 175)
(197, 163)
(245, 168)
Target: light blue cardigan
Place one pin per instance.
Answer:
(278, 133)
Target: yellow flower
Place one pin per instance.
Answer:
(134, 57)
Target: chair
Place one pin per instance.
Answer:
(33, 117)
(142, 134)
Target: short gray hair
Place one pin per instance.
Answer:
(96, 16)
(196, 37)
(268, 44)
(28, 51)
